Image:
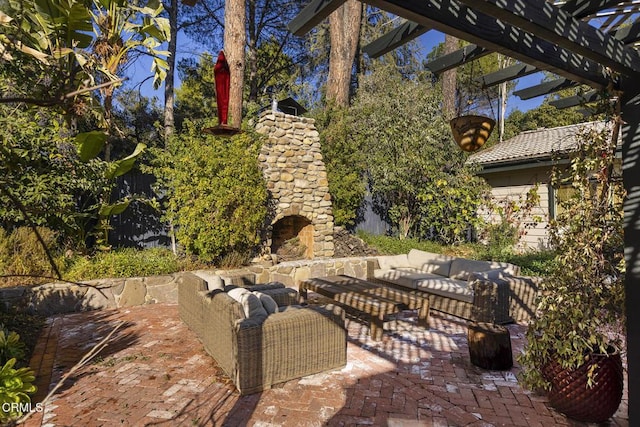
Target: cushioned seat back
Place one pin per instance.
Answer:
(388, 262)
(430, 262)
(461, 268)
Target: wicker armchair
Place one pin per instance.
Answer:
(260, 351)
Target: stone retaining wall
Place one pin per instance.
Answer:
(56, 298)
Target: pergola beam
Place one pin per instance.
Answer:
(506, 74)
(454, 59)
(575, 100)
(584, 8)
(314, 13)
(545, 88)
(452, 17)
(394, 38)
(560, 27)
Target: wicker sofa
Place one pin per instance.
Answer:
(482, 291)
(261, 350)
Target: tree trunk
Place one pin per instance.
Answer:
(235, 37)
(449, 81)
(169, 121)
(344, 31)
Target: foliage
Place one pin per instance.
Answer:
(345, 162)
(40, 165)
(417, 175)
(272, 52)
(582, 301)
(15, 387)
(514, 215)
(127, 262)
(531, 263)
(76, 45)
(196, 96)
(389, 245)
(10, 345)
(217, 197)
(22, 254)
(543, 116)
(28, 326)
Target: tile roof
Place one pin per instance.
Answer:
(532, 145)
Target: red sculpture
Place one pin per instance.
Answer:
(223, 83)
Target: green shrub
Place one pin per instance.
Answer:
(22, 254)
(126, 262)
(15, 387)
(388, 245)
(217, 197)
(10, 346)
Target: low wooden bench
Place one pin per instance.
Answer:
(369, 298)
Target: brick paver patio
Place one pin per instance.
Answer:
(154, 372)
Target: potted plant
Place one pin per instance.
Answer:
(573, 348)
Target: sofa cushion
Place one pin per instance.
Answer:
(461, 268)
(430, 262)
(251, 304)
(393, 261)
(267, 302)
(400, 276)
(446, 287)
(214, 282)
(242, 279)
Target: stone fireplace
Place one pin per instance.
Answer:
(296, 177)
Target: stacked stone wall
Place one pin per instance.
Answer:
(56, 298)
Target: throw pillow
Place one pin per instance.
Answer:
(269, 304)
(251, 305)
(214, 282)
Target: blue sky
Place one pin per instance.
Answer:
(186, 48)
(432, 38)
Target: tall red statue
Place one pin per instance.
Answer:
(223, 83)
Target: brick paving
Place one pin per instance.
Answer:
(155, 372)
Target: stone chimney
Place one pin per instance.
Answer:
(296, 177)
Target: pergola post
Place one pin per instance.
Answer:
(631, 177)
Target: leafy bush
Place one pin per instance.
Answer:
(15, 387)
(417, 175)
(392, 245)
(10, 346)
(41, 170)
(346, 165)
(28, 326)
(22, 254)
(127, 262)
(217, 197)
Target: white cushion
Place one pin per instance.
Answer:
(430, 262)
(388, 262)
(269, 304)
(461, 268)
(250, 303)
(450, 288)
(214, 282)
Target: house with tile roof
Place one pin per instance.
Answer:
(515, 166)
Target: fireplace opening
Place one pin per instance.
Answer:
(292, 238)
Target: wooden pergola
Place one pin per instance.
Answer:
(588, 42)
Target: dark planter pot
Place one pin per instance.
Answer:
(571, 395)
(471, 132)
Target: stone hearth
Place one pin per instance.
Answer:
(296, 177)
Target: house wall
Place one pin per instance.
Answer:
(514, 185)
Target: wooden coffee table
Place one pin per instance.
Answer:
(373, 299)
